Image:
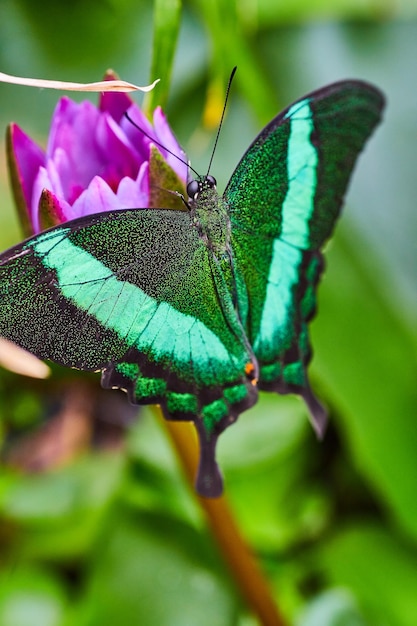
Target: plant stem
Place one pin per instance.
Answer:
(246, 572)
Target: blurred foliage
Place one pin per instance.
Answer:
(97, 524)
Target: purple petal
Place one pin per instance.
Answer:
(115, 104)
(167, 138)
(122, 159)
(28, 158)
(98, 197)
(61, 174)
(47, 179)
(65, 114)
(137, 138)
(134, 194)
(94, 145)
(92, 163)
(73, 128)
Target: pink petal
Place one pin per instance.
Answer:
(50, 210)
(98, 197)
(41, 182)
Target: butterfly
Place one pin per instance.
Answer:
(197, 310)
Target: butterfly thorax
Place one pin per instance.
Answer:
(210, 217)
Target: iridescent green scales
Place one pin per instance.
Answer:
(197, 309)
(178, 403)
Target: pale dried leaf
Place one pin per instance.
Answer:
(104, 85)
(19, 361)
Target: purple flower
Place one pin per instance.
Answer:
(96, 160)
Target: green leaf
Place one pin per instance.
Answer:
(265, 13)
(167, 19)
(163, 181)
(336, 607)
(232, 47)
(267, 447)
(379, 570)
(158, 571)
(30, 597)
(154, 480)
(59, 512)
(366, 360)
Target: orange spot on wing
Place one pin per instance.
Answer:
(250, 373)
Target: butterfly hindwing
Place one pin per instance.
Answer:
(136, 294)
(284, 199)
(291, 181)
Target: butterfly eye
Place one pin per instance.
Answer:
(193, 188)
(212, 182)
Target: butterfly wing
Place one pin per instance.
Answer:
(284, 199)
(136, 294)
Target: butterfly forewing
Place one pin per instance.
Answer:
(134, 293)
(284, 199)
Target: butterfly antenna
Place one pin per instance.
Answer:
(158, 143)
(222, 117)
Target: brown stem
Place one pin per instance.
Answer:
(242, 563)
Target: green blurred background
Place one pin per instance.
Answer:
(97, 524)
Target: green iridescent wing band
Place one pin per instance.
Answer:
(136, 294)
(284, 199)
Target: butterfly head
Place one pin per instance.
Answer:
(195, 187)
